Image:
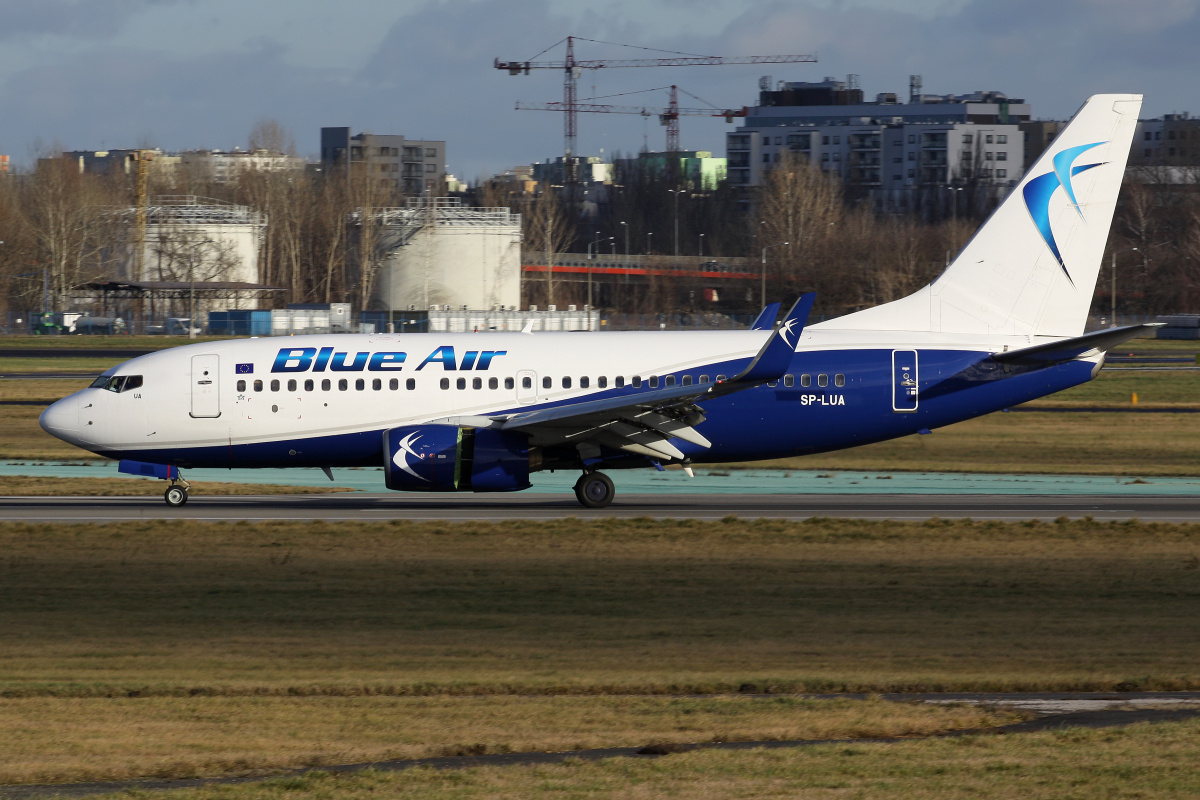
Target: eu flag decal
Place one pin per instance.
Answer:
(245, 369)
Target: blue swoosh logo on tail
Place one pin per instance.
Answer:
(1037, 193)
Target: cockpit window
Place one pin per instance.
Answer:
(117, 383)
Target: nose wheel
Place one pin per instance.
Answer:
(595, 490)
(176, 495)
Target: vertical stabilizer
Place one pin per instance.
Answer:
(1031, 268)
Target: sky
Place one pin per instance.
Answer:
(184, 74)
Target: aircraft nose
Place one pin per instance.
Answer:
(61, 419)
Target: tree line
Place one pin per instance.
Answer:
(324, 241)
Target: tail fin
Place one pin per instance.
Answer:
(1031, 268)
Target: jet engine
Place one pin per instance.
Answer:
(453, 458)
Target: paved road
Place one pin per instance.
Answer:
(559, 506)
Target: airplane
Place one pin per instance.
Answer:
(1003, 324)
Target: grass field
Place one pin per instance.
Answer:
(186, 648)
(1143, 761)
(586, 606)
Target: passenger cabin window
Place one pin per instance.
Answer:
(394, 384)
(526, 382)
(806, 381)
(377, 384)
(789, 381)
(602, 382)
(445, 383)
(822, 380)
(291, 385)
(461, 383)
(704, 379)
(476, 383)
(772, 384)
(308, 385)
(410, 384)
(566, 382)
(584, 382)
(620, 381)
(653, 381)
(258, 386)
(275, 386)
(493, 383)
(670, 380)
(839, 379)
(325, 385)
(720, 378)
(547, 382)
(509, 383)
(241, 386)
(343, 385)
(637, 381)
(359, 385)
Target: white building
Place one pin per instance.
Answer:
(224, 166)
(933, 140)
(438, 252)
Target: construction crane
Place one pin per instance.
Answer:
(573, 68)
(668, 117)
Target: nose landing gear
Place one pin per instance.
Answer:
(595, 490)
(176, 494)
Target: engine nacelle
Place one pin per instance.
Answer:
(451, 458)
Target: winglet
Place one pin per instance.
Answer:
(766, 318)
(776, 355)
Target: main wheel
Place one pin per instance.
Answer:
(175, 496)
(595, 490)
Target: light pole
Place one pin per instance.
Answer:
(700, 252)
(1112, 322)
(676, 192)
(764, 271)
(649, 244)
(625, 227)
(192, 288)
(589, 274)
(954, 190)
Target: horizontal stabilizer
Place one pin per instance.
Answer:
(1067, 349)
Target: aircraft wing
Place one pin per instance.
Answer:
(645, 422)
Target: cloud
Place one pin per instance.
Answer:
(82, 19)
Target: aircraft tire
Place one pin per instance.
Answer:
(595, 490)
(175, 496)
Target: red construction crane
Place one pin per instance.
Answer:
(668, 116)
(572, 68)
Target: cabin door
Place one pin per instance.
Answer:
(206, 386)
(904, 380)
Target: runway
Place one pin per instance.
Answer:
(468, 507)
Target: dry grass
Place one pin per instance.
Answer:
(53, 740)
(46, 391)
(1142, 761)
(589, 607)
(1028, 442)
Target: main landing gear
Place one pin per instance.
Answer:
(595, 489)
(176, 494)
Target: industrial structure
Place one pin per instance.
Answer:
(437, 251)
(407, 165)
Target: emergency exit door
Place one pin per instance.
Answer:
(206, 386)
(904, 380)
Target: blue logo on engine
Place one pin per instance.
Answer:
(1038, 191)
